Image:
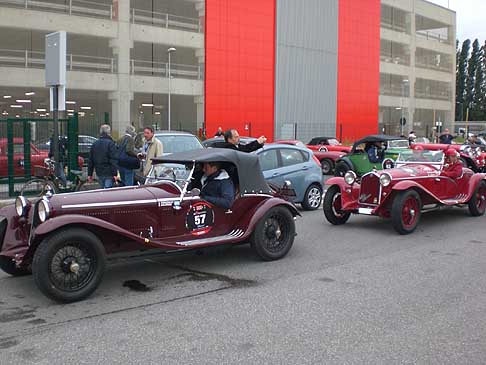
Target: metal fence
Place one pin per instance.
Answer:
(165, 20)
(71, 7)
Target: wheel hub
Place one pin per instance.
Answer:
(70, 266)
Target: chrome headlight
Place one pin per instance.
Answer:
(385, 179)
(21, 205)
(477, 151)
(350, 177)
(43, 210)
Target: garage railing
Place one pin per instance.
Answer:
(161, 69)
(165, 20)
(71, 7)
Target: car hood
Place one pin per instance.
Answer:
(112, 198)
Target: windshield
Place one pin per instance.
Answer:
(400, 143)
(333, 142)
(421, 156)
(178, 143)
(175, 172)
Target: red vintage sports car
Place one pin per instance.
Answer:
(63, 239)
(327, 144)
(403, 193)
(326, 158)
(471, 156)
(36, 157)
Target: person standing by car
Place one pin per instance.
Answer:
(232, 140)
(219, 133)
(103, 157)
(446, 137)
(453, 167)
(151, 148)
(59, 165)
(127, 158)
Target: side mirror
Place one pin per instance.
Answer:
(176, 205)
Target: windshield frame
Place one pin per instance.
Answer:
(437, 164)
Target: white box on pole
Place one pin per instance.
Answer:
(55, 60)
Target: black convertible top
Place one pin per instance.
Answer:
(315, 140)
(376, 138)
(247, 165)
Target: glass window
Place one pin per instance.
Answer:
(268, 160)
(179, 143)
(291, 157)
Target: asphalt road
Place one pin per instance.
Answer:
(358, 293)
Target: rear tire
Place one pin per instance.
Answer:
(68, 265)
(274, 234)
(312, 197)
(8, 265)
(332, 207)
(406, 211)
(38, 187)
(477, 203)
(327, 166)
(341, 169)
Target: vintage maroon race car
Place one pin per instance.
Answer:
(64, 239)
(326, 158)
(403, 193)
(471, 156)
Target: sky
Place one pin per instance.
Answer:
(470, 18)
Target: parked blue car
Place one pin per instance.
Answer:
(282, 162)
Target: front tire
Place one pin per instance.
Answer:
(68, 265)
(406, 211)
(312, 197)
(341, 169)
(274, 234)
(332, 207)
(326, 166)
(8, 266)
(477, 203)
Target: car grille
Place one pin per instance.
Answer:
(370, 190)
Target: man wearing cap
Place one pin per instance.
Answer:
(453, 167)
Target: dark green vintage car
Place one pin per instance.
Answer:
(358, 160)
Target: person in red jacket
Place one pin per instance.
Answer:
(453, 167)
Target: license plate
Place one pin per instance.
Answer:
(367, 211)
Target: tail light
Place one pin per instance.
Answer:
(316, 160)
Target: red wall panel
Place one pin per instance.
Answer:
(358, 68)
(240, 62)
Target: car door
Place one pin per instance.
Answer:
(270, 165)
(294, 167)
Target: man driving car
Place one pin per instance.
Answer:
(453, 167)
(217, 186)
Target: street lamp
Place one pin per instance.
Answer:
(169, 51)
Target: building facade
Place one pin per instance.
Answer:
(283, 68)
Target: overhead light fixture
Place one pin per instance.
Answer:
(23, 101)
(82, 114)
(86, 108)
(70, 102)
(70, 110)
(5, 112)
(148, 104)
(398, 108)
(70, 114)
(17, 116)
(7, 96)
(157, 113)
(41, 110)
(16, 106)
(30, 93)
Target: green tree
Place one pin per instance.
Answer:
(477, 107)
(461, 79)
(472, 66)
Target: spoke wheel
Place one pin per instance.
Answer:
(333, 208)
(38, 188)
(477, 203)
(274, 234)
(406, 211)
(312, 197)
(341, 169)
(326, 166)
(68, 265)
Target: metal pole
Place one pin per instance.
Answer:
(168, 108)
(55, 135)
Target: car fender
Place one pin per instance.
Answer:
(474, 182)
(261, 209)
(349, 193)
(409, 184)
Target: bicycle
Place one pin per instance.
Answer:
(45, 180)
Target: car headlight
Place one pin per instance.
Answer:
(385, 179)
(350, 177)
(21, 205)
(478, 151)
(43, 210)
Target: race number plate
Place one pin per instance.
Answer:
(200, 218)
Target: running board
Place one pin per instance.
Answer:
(236, 233)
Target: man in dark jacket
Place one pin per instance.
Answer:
(446, 137)
(232, 140)
(127, 142)
(103, 157)
(217, 187)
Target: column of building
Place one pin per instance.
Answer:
(199, 100)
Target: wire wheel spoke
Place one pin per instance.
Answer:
(276, 233)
